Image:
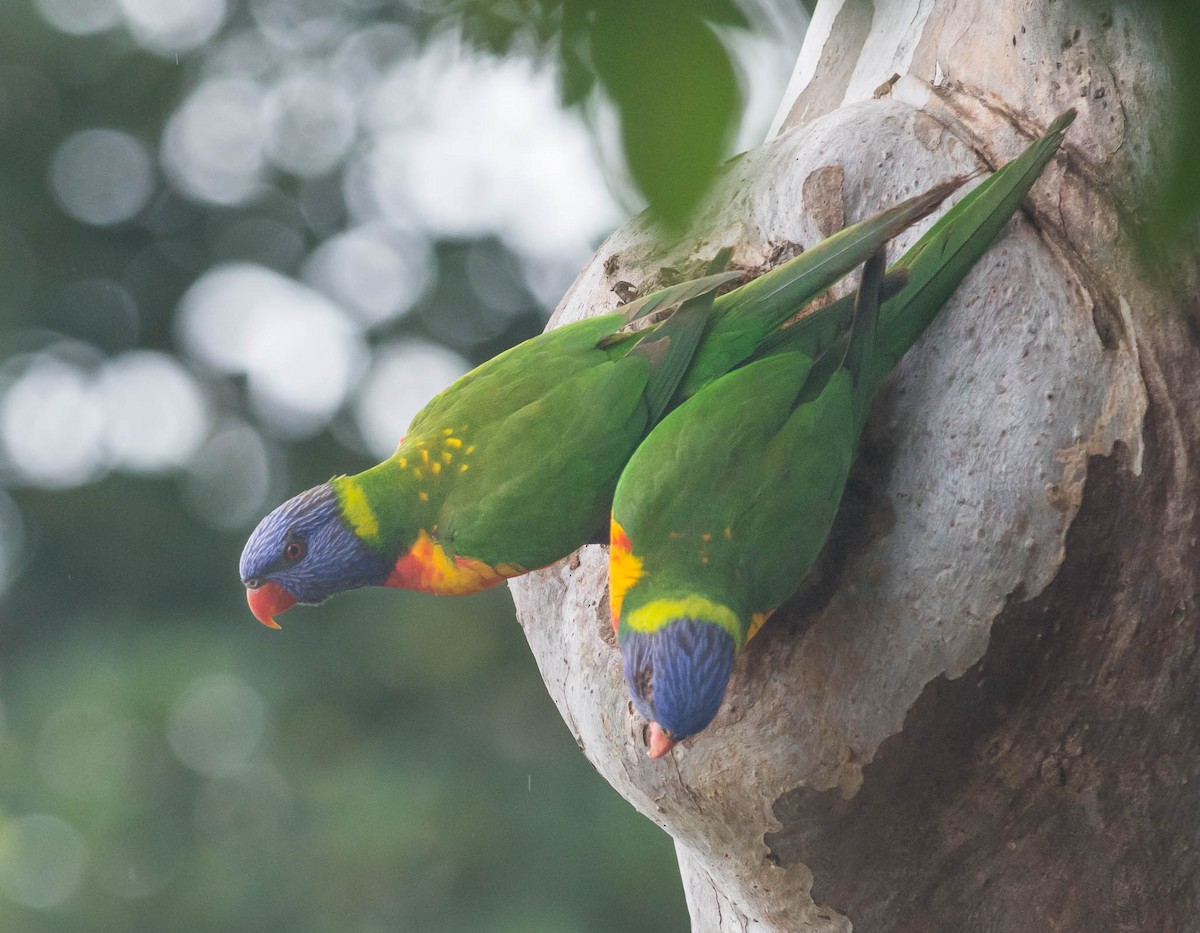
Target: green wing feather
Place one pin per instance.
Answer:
(747, 316)
(553, 420)
(935, 264)
(732, 495)
(711, 498)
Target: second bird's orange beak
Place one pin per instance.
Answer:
(660, 742)
(267, 601)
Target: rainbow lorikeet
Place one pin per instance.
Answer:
(513, 466)
(725, 506)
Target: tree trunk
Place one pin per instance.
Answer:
(981, 711)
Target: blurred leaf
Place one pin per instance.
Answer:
(1174, 206)
(660, 63)
(1170, 203)
(675, 90)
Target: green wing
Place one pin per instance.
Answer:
(541, 479)
(733, 494)
(747, 316)
(520, 376)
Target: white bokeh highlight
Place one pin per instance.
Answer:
(155, 414)
(403, 378)
(80, 17)
(301, 353)
(101, 176)
(216, 724)
(376, 272)
(167, 27)
(310, 123)
(213, 145)
(52, 425)
(469, 145)
(299, 26)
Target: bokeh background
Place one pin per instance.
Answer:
(241, 242)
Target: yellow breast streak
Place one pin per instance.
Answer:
(653, 616)
(357, 509)
(624, 569)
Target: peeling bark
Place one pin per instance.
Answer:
(980, 711)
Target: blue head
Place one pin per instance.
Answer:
(304, 552)
(677, 676)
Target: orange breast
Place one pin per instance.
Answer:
(428, 568)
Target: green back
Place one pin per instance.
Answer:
(732, 495)
(520, 375)
(527, 448)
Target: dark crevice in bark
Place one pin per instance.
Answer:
(1056, 785)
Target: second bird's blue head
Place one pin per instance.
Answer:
(677, 675)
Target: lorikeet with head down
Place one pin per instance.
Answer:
(725, 506)
(513, 466)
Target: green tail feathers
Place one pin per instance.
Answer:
(690, 335)
(744, 318)
(860, 347)
(935, 264)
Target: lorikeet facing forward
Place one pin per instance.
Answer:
(513, 466)
(725, 506)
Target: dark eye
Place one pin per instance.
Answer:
(253, 583)
(293, 550)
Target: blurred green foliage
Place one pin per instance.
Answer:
(390, 761)
(1173, 203)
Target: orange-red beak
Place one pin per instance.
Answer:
(660, 742)
(267, 601)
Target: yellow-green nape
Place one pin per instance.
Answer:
(654, 615)
(356, 508)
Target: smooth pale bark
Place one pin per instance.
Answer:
(981, 712)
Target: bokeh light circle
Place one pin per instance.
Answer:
(171, 26)
(310, 124)
(212, 147)
(300, 352)
(377, 273)
(80, 17)
(42, 861)
(216, 724)
(404, 377)
(52, 425)
(101, 177)
(155, 413)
